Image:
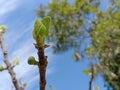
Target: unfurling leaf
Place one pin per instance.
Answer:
(41, 30)
(46, 21)
(15, 61)
(36, 27)
(31, 60)
(38, 32)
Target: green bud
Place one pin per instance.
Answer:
(15, 61)
(24, 85)
(2, 67)
(31, 60)
(2, 29)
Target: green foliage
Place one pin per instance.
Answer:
(31, 60)
(67, 28)
(89, 49)
(2, 29)
(70, 25)
(91, 52)
(119, 4)
(46, 22)
(41, 30)
(105, 36)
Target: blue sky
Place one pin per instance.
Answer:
(62, 72)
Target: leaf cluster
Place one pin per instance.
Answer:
(41, 30)
(105, 36)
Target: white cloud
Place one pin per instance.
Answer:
(7, 6)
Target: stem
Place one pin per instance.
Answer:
(92, 77)
(8, 64)
(42, 67)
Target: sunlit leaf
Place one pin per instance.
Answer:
(46, 22)
(87, 72)
(41, 30)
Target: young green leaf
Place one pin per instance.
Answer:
(36, 28)
(15, 61)
(40, 30)
(87, 72)
(46, 21)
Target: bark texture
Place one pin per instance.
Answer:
(42, 67)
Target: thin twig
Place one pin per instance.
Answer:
(8, 64)
(92, 77)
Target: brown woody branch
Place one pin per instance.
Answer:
(8, 64)
(42, 66)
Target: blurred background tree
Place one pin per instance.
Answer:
(75, 21)
(68, 22)
(105, 36)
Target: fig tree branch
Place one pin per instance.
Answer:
(8, 64)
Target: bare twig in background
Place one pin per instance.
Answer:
(92, 77)
(8, 64)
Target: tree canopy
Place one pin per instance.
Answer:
(105, 36)
(73, 22)
(67, 22)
